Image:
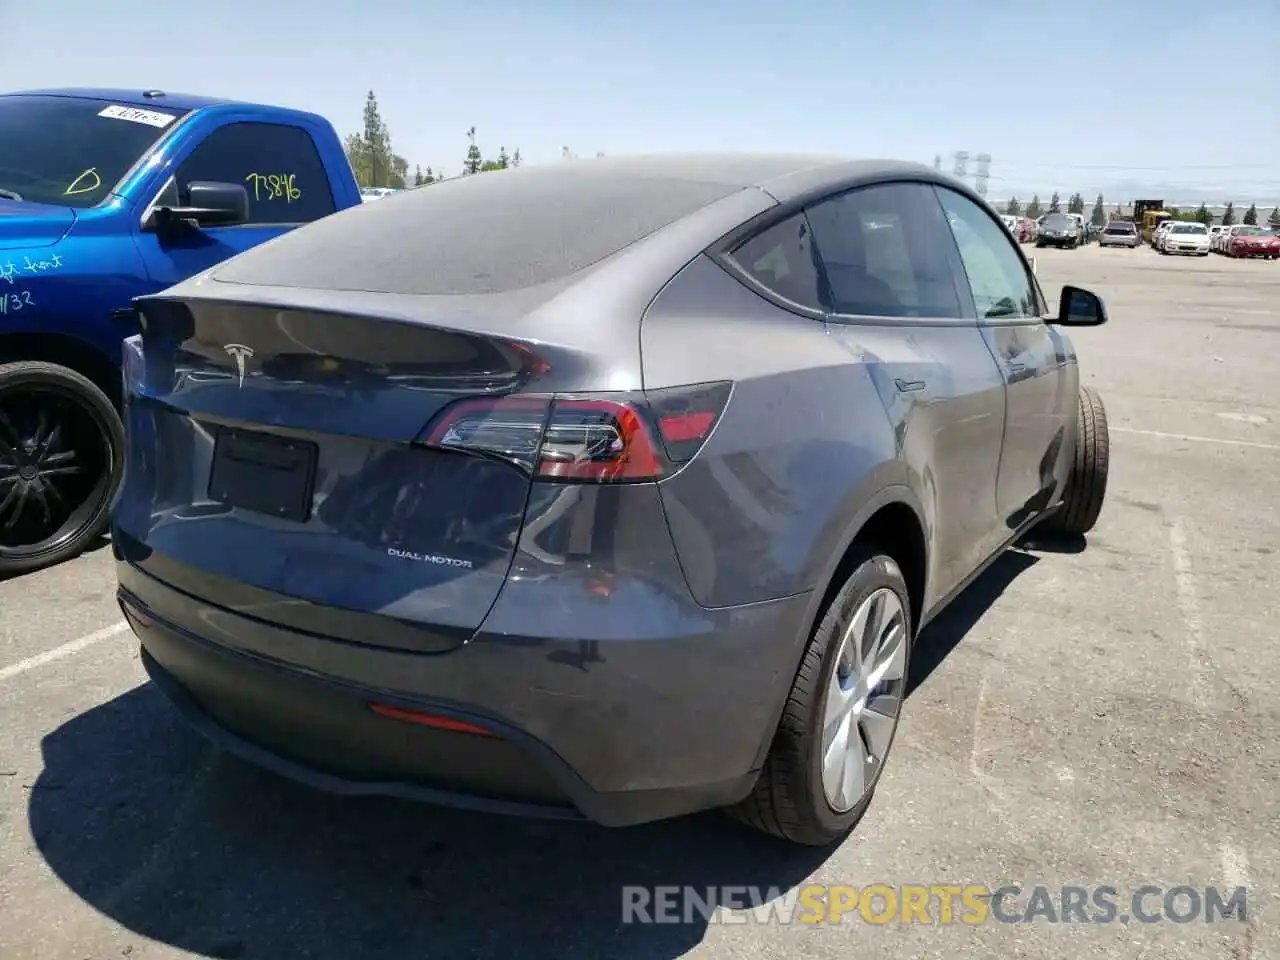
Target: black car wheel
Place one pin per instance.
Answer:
(61, 459)
(1086, 486)
(842, 712)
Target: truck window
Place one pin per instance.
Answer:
(72, 151)
(277, 164)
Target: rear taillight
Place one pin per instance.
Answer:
(602, 438)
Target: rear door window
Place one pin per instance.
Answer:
(781, 259)
(277, 164)
(883, 250)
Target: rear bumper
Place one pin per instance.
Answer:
(613, 731)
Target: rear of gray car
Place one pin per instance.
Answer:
(555, 491)
(1120, 234)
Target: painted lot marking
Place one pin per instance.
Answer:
(1189, 607)
(68, 649)
(1195, 439)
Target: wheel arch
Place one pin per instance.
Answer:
(893, 520)
(67, 351)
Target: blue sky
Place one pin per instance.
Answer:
(1177, 97)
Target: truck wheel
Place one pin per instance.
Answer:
(841, 715)
(1087, 482)
(61, 460)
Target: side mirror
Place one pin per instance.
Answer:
(207, 203)
(1080, 308)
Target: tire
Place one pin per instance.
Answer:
(789, 800)
(73, 417)
(1086, 486)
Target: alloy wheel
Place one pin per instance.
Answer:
(55, 459)
(864, 699)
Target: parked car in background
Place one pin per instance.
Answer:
(1059, 230)
(1158, 233)
(1182, 236)
(414, 528)
(1120, 233)
(106, 195)
(1082, 224)
(1215, 237)
(1224, 238)
(376, 193)
(1010, 222)
(1251, 241)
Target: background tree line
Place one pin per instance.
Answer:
(1099, 217)
(376, 164)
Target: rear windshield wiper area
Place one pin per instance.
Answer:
(10, 195)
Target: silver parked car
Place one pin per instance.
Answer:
(1120, 233)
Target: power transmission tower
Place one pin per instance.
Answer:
(961, 168)
(983, 175)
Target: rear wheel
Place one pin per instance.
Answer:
(842, 713)
(61, 458)
(1087, 482)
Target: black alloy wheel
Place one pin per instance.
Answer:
(61, 458)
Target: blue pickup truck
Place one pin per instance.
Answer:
(106, 195)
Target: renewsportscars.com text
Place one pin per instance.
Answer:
(934, 904)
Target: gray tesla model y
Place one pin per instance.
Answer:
(614, 489)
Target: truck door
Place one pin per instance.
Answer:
(278, 165)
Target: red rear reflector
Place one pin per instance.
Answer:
(435, 721)
(686, 427)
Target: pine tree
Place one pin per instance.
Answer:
(1274, 219)
(504, 160)
(1204, 216)
(1251, 215)
(1055, 203)
(1229, 215)
(1033, 209)
(1013, 208)
(473, 163)
(1099, 217)
(515, 158)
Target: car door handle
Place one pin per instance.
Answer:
(1016, 367)
(909, 386)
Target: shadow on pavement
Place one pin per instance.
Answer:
(945, 632)
(93, 547)
(190, 847)
(187, 846)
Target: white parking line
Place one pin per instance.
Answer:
(1195, 439)
(70, 648)
(1235, 865)
(1189, 606)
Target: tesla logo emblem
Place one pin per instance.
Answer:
(240, 353)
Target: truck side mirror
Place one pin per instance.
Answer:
(207, 203)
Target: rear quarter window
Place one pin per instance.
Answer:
(781, 259)
(481, 234)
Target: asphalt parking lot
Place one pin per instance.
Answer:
(1106, 716)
